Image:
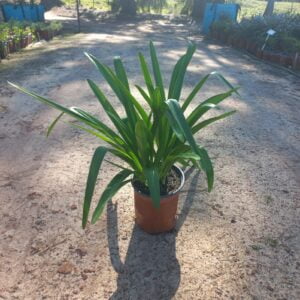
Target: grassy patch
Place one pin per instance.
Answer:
(271, 242)
(257, 7)
(256, 247)
(269, 199)
(248, 8)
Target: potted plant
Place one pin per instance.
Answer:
(4, 37)
(150, 142)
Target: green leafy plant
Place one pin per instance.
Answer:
(149, 141)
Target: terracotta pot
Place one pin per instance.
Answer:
(157, 220)
(275, 58)
(258, 53)
(266, 55)
(296, 61)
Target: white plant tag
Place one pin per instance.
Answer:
(271, 32)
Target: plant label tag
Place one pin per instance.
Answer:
(271, 32)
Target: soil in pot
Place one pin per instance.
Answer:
(157, 220)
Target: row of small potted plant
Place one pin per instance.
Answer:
(250, 34)
(17, 35)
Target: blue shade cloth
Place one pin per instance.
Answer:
(213, 12)
(25, 12)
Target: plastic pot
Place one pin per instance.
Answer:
(23, 42)
(157, 220)
(224, 37)
(275, 57)
(258, 52)
(11, 46)
(4, 51)
(17, 44)
(46, 35)
(242, 43)
(267, 55)
(251, 47)
(29, 39)
(296, 62)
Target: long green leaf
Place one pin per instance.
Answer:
(179, 118)
(144, 142)
(156, 71)
(144, 94)
(91, 181)
(115, 85)
(112, 188)
(123, 94)
(199, 85)
(152, 178)
(122, 126)
(179, 73)
(194, 92)
(205, 123)
(50, 128)
(118, 143)
(120, 71)
(146, 73)
(207, 167)
(76, 113)
(206, 105)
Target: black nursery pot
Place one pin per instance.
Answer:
(4, 51)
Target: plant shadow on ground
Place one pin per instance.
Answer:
(151, 269)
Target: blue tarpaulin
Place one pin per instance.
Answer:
(25, 12)
(213, 12)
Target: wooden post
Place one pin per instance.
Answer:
(78, 14)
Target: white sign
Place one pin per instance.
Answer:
(271, 32)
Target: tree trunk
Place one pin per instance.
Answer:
(128, 8)
(78, 14)
(270, 8)
(125, 8)
(198, 9)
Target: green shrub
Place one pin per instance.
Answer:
(287, 27)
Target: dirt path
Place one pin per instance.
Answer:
(239, 242)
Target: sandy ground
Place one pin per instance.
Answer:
(239, 242)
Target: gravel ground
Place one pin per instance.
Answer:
(241, 241)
